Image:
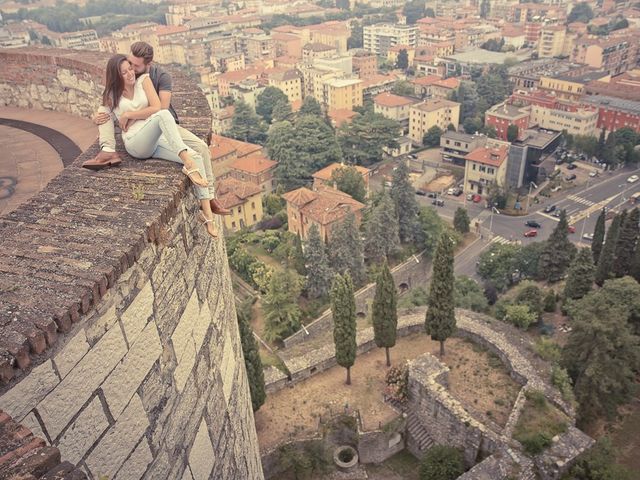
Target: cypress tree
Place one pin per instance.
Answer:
(404, 197)
(440, 320)
(634, 270)
(581, 275)
(381, 239)
(605, 262)
(557, 253)
(384, 311)
(319, 274)
(461, 220)
(297, 256)
(343, 306)
(345, 250)
(626, 244)
(252, 362)
(598, 237)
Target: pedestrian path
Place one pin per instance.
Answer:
(504, 241)
(582, 201)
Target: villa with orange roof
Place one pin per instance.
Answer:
(395, 107)
(338, 116)
(255, 169)
(485, 166)
(325, 208)
(244, 199)
(443, 88)
(225, 151)
(323, 177)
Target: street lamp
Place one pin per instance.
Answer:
(493, 209)
(531, 184)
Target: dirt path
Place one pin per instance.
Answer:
(475, 379)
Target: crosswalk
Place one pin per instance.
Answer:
(503, 241)
(580, 200)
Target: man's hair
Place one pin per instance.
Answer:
(142, 50)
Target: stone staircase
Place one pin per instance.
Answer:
(418, 434)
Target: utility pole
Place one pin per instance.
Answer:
(531, 184)
(493, 209)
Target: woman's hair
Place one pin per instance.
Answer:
(114, 83)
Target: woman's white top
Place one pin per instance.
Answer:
(137, 102)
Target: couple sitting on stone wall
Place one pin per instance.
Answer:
(137, 95)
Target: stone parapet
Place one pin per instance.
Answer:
(119, 343)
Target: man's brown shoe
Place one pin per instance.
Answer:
(218, 209)
(103, 160)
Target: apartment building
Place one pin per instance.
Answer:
(455, 146)
(485, 166)
(615, 113)
(394, 107)
(289, 81)
(311, 51)
(502, 115)
(255, 46)
(244, 199)
(429, 113)
(551, 43)
(379, 38)
(364, 63)
(341, 93)
(568, 87)
(255, 169)
(81, 40)
(576, 121)
(227, 62)
(614, 55)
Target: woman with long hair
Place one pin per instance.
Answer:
(148, 131)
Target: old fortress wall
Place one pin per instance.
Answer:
(118, 338)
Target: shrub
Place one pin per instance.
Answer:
(561, 380)
(529, 294)
(441, 463)
(550, 301)
(490, 293)
(414, 298)
(597, 463)
(501, 308)
(520, 316)
(397, 381)
(270, 242)
(535, 443)
(548, 350)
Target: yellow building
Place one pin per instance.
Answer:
(393, 52)
(564, 88)
(434, 112)
(484, 166)
(551, 42)
(341, 93)
(581, 121)
(289, 81)
(244, 199)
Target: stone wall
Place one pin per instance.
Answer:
(412, 273)
(118, 342)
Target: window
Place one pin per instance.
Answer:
(253, 205)
(255, 219)
(240, 209)
(474, 166)
(233, 224)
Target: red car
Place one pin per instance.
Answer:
(571, 229)
(476, 198)
(531, 233)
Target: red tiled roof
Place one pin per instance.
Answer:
(340, 115)
(232, 192)
(387, 99)
(253, 164)
(243, 148)
(428, 80)
(326, 172)
(324, 206)
(489, 156)
(450, 82)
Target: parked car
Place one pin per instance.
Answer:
(571, 177)
(432, 195)
(556, 188)
(632, 179)
(414, 156)
(438, 202)
(531, 233)
(571, 229)
(572, 166)
(532, 224)
(450, 191)
(556, 214)
(470, 196)
(476, 198)
(422, 193)
(550, 209)
(588, 236)
(593, 173)
(457, 192)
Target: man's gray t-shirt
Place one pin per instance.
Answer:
(162, 81)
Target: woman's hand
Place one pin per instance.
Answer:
(124, 121)
(101, 117)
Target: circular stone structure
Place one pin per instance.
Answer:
(345, 457)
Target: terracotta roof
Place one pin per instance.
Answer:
(450, 82)
(325, 173)
(253, 164)
(377, 79)
(387, 99)
(238, 75)
(489, 156)
(232, 192)
(295, 105)
(435, 104)
(243, 148)
(428, 80)
(340, 115)
(324, 206)
(318, 47)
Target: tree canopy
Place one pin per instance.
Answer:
(267, 100)
(381, 237)
(281, 310)
(404, 197)
(558, 252)
(349, 180)
(319, 273)
(363, 138)
(384, 314)
(346, 251)
(246, 125)
(343, 307)
(582, 13)
(252, 362)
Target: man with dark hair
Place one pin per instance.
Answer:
(141, 59)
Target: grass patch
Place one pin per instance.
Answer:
(404, 465)
(547, 349)
(539, 423)
(271, 360)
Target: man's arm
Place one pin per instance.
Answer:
(165, 99)
(165, 85)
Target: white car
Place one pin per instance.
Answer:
(593, 174)
(633, 179)
(588, 236)
(451, 191)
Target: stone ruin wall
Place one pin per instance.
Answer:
(118, 338)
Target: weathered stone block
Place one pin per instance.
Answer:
(71, 353)
(122, 384)
(201, 456)
(137, 463)
(135, 317)
(59, 407)
(83, 432)
(119, 441)
(24, 396)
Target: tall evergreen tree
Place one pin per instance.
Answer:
(581, 275)
(319, 274)
(267, 100)
(601, 357)
(404, 197)
(296, 257)
(280, 306)
(605, 262)
(634, 270)
(343, 306)
(384, 313)
(246, 125)
(598, 237)
(601, 142)
(281, 111)
(403, 59)
(461, 220)
(345, 250)
(558, 252)
(381, 238)
(440, 320)
(252, 362)
(626, 244)
(310, 106)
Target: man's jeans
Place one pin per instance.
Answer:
(194, 144)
